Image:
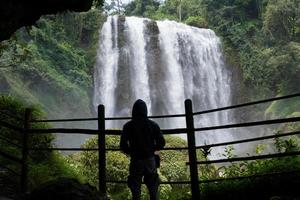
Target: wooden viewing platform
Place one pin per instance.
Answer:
(190, 130)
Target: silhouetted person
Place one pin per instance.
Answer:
(142, 140)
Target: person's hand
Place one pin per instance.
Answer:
(157, 153)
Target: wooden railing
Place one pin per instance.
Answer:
(23, 161)
(190, 130)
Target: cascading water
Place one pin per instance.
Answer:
(162, 63)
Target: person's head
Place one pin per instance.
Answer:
(139, 109)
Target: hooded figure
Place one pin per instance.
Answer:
(142, 139)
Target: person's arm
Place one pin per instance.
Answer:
(159, 144)
(124, 146)
(159, 139)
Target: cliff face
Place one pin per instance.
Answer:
(15, 14)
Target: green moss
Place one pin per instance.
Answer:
(197, 21)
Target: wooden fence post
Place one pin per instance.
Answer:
(192, 149)
(101, 151)
(24, 170)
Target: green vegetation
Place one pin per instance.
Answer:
(185, 11)
(173, 168)
(267, 56)
(282, 185)
(43, 165)
(51, 64)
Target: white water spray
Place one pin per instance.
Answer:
(162, 63)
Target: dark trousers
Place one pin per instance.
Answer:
(143, 168)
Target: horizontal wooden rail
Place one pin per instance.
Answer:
(10, 170)
(95, 132)
(166, 116)
(167, 131)
(64, 120)
(171, 148)
(248, 140)
(10, 142)
(10, 157)
(174, 131)
(113, 149)
(162, 183)
(63, 149)
(113, 132)
(171, 116)
(64, 130)
(247, 104)
(117, 118)
(248, 177)
(10, 126)
(107, 118)
(164, 131)
(165, 149)
(247, 124)
(276, 155)
(175, 148)
(151, 117)
(96, 149)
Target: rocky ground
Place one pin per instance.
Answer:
(60, 189)
(9, 189)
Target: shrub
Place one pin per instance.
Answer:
(196, 21)
(43, 165)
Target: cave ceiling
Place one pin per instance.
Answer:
(15, 14)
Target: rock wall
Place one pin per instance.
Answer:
(15, 14)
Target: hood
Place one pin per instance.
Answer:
(139, 109)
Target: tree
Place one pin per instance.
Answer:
(114, 7)
(282, 19)
(143, 6)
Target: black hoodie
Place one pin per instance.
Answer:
(141, 136)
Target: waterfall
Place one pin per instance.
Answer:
(163, 63)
